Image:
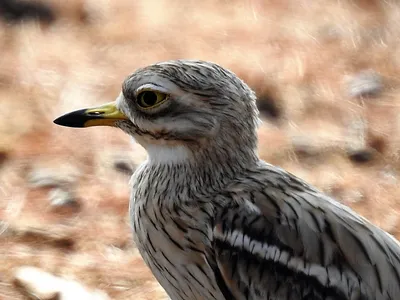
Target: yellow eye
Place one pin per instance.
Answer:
(150, 99)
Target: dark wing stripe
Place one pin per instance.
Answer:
(274, 268)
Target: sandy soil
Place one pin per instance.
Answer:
(327, 76)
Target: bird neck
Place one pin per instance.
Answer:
(206, 168)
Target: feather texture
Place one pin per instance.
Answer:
(300, 245)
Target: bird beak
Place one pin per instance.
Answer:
(105, 115)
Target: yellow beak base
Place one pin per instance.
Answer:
(105, 115)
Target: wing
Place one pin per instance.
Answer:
(281, 239)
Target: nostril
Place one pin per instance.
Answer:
(95, 113)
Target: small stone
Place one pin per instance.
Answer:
(52, 177)
(367, 83)
(361, 155)
(356, 147)
(268, 106)
(124, 165)
(14, 12)
(64, 201)
(37, 283)
(57, 237)
(42, 285)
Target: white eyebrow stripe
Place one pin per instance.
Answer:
(150, 86)
(158, 83)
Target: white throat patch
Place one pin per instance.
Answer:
(167, 154)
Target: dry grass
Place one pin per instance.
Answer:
(299, 53)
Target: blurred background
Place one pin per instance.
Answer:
(326, 74)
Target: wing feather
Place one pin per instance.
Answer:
(297, 243)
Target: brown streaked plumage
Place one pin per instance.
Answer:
(212, 220)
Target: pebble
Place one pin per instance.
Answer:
(124, 165)
(367, 83)
(268, 106)
(43, 285)
(47, 177)
(64, 201)
(56, 236)
(361, 155)
(356, 147)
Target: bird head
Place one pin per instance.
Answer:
(190, 105)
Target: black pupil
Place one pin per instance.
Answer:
(148, 98)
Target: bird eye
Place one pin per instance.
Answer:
(150, 99)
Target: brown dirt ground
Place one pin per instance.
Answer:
(297, 53)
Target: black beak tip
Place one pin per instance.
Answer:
(73, 119)
(58, 121)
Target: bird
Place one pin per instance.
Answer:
(212, 220)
